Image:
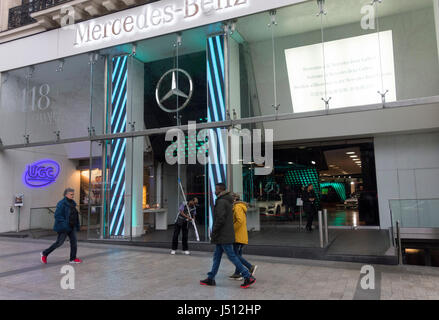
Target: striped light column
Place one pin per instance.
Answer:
(216, 111)
(118, 146)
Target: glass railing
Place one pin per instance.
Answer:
(42, 219)
(415, 213)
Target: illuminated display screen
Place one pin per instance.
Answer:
(352, 71)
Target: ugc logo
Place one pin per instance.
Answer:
(41, 173)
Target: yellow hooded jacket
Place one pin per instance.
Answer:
(240, 222)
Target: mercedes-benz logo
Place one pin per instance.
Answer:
(174, 91)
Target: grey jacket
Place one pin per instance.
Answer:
(222, 229)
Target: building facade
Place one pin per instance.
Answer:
(123, 100)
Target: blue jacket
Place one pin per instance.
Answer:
(62, 216)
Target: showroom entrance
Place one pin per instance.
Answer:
(343, 176)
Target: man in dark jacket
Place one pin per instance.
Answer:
(223, 236)
(66, 224)
(309, 205)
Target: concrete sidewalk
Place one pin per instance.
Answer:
(124, 272)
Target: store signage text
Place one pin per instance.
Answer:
(41, 173)
(152, 17)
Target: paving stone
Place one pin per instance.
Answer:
(123, 272)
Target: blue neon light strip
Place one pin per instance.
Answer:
(118, 79)
(218, 84)
(118, 160)
(216, 112)
(119, 201)
(221, 55)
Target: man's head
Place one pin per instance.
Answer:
(219, 187)
(69, 193)
(310, 187)
(193, 201)
(236, 197)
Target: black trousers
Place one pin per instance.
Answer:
(180, 227)
(60, 241)
(290, 209)
(310, 213)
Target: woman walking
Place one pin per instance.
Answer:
(241, 235)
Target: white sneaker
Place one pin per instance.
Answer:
(253, 269)
(172, 251)
(186, 252)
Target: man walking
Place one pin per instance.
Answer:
(223, 236)
(182, 224)
(66, 224)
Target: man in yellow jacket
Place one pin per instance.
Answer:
(241, 235)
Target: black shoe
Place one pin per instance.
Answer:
(235, 276)
(207, 282)
(248, 282)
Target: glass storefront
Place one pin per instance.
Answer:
(122, 102)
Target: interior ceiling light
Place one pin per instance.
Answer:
(350, 152)
(354, 156)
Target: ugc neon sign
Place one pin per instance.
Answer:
(41, 173)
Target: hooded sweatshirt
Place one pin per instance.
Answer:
(240, 222)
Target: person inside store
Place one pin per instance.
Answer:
(289, 200)
(309, 205)
(223, 236)
(241, 235)
(66, 225)
(182, 224)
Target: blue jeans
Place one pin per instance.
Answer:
(59, 242)
(228, 249)
(237, 247)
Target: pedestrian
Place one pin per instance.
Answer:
(289, 200)
(241, 235)
(309, 205)
(182, 224)
(223, 236)
(66, 225)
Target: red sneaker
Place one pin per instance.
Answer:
(76, 261)
(248, 282)
(43, 258)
